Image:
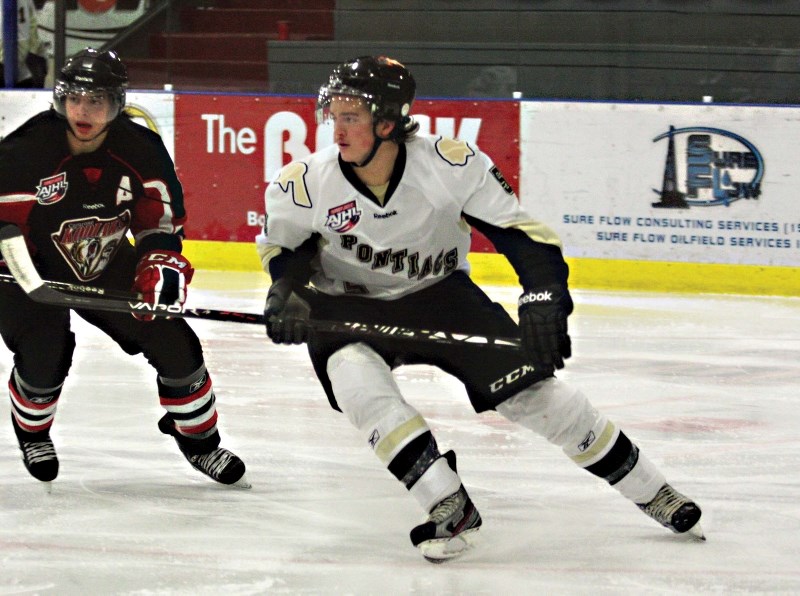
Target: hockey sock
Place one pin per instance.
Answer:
(33, 408)
(564, 416)
(191, 411)
(608, 453)
(431, 478)
(405, 444)
(367, 393)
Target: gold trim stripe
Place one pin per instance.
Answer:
(387, 445)
(600, 445)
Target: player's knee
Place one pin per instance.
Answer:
(169, 345)
(362, 383)
(48, 364)
(553, 409)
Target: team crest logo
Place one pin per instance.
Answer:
(88, 245)
(453, 151)
(52, 189)
(343, 218)
(707, 167)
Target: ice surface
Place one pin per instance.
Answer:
(707, 385)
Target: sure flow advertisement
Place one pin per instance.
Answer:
(678, 183)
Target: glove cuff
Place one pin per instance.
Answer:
(542, 296)
(281, 287)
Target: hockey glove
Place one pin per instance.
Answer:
(286, 314)
(543, 325)
(161, 278)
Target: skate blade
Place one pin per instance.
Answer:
(696, 532)
(243, 482)
(439, 550)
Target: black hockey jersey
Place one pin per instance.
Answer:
(76, 210)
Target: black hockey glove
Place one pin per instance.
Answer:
(286, 314)
(543, 325)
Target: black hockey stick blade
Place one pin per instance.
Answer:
(69, 295)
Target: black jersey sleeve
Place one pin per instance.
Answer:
(536, 263)
(295, 264)
(159, 216)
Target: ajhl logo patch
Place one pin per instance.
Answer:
(343, 218)
(53, 189)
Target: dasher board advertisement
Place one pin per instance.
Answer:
(654, 182)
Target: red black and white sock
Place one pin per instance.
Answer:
(32, 408)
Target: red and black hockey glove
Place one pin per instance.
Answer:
(286, 314)
(543, 324)
(161, 278)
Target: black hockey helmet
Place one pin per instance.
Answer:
(92, 71)
(383, 83)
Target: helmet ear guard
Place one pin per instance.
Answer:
(92, 71)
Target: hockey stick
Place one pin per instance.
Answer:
(69, 295)
(78, 289)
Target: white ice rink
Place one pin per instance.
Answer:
(707, 385)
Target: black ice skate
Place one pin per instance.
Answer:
(218, 464)
(451, 527)
(675, 511)
(38, 453)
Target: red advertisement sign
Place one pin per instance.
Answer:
(228, 147)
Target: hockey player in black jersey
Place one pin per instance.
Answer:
(76, 179)
(376, 229)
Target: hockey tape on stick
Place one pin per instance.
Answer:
(69, 295)
(17, 258)
(448, 338)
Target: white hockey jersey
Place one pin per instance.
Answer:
(411, 241)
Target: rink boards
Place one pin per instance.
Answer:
(660, 197)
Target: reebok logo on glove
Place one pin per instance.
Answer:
(531, 297)
(543, 326)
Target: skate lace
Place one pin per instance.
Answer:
(39, 451)
(214, 462)
(447, 508)
(665, 504)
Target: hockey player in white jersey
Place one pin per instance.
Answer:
(376, 228)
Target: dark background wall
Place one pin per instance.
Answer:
(744, 51)
(664, 50)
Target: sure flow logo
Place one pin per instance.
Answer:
(706, 167)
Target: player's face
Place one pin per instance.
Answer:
(88, 115)
(352, 127)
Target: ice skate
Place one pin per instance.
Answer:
(38, 453)
(218, 464)
(675, 511)
(450, 530)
